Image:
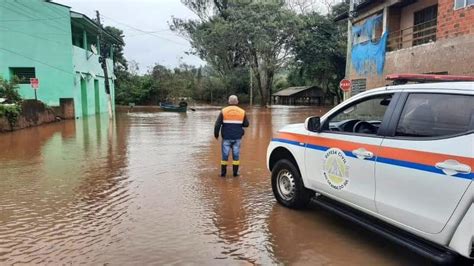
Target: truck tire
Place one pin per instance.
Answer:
(288, 187)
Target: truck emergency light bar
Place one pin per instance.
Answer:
(404, 78)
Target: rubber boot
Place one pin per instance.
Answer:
(223, 170)
(236, 170)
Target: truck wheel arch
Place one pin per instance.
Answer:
(280, 153)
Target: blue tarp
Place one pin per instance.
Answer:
(369, 55)
(367, 29)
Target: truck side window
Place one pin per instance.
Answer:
(436, 115)
(364, 117)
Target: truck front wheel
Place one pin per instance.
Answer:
(288, 186)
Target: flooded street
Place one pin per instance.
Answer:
(145, 190)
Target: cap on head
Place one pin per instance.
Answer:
(233, 99)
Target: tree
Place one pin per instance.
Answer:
(302, 6)
(320, 53)
(118, 55)
(254, 35)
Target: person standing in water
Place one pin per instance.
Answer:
(231, 122)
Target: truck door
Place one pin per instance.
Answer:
(425, 168)
(340, 160)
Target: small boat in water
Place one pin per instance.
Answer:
(173, 108)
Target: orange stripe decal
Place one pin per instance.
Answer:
(414, 156)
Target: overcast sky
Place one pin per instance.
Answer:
(163, 47)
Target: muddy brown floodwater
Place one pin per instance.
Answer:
(145, 190)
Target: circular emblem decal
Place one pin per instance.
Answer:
(335, 169)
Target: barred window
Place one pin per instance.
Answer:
(23, 73)
(425, 25)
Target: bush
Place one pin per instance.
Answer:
(9, 91)
(11, 112)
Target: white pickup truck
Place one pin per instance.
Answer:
(397, 160)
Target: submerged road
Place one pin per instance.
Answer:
(145, 190)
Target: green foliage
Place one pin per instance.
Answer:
(9, 90)
(265, 39)
(244, 34)
(11, 112)
(10, 108)
(118, 55)
(320, 52)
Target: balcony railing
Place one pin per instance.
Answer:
(412, 36)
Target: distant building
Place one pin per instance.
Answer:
(45, 40)
(409, 36)
(307, 95)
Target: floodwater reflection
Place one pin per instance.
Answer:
(144, 189)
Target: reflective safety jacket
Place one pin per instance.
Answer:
(231, 122)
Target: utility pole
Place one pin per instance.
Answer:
(251, 86)
(103, 60)
(349, 44)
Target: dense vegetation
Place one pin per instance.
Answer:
(10, 100)
(277, 42)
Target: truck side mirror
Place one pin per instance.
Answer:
(313, 124)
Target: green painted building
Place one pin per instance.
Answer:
(45, 40)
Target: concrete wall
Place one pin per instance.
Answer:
(28, 40)
(34, 113)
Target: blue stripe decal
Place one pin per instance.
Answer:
(315, 147)
(400, 163)
(421, 167)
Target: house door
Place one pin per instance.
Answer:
(84, 97)
(97, 97)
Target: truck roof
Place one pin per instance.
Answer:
(461, 85)
(454, 86)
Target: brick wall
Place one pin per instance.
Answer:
(454, 23)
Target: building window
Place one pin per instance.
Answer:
(358, 86)
(425, 24)
(23, 73)
(462, 3)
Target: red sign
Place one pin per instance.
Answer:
(34, 83)
(345, 85)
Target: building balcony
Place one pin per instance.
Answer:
(412, 36)
(412, 23)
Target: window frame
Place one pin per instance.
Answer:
(422, 34)
(465, 5)
(384, 126)
(22, 81)
(395, 119)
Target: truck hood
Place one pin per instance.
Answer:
(293, 128)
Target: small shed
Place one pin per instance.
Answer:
(305, 95)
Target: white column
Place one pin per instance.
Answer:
(385, 19)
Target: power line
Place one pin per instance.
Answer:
(27, 15)
(35, 36)
(38, 61)
(142, 31)
(147, 33)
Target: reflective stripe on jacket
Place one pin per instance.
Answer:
(231, 122)
(233, 115)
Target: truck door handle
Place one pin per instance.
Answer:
(453, 167)
(362, 154)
